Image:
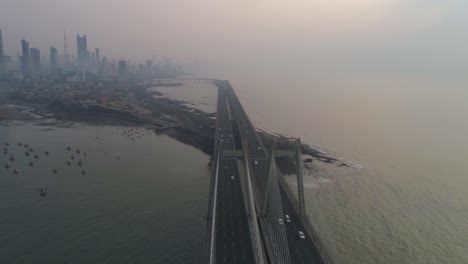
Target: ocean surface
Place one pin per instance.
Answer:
(142, 199)
(404, 198)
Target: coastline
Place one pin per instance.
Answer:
(161, 115)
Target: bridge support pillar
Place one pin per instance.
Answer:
(272, 176)
(300, 181)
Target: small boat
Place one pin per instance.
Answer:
(15, 171)
(80, 163)
(26, 153)
(36, 156)
(7, 166)
(20, 144)
(12, 158)
(31, 163)
(68, 163)
(84, 154)
(78, 151)
(6, 143)
(46, 152)
(83, 172)
(68, 148)
(71, 157)
(31, 150)
(43, 191)
(54, 171)
(118, 157)
(26, 145)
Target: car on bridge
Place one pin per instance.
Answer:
(301, 235)
(255, 162)
(288, 220)
(280, 221)
(232, 177)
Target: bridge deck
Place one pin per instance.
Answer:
(233, 243)
(301, 251)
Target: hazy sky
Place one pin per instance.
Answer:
(360, 34)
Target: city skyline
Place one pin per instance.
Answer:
(82, 53)
(88, 59)
(264, 34)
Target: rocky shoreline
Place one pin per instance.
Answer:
(165, 116)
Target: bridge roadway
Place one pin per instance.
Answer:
(301, 251)
(233, 243)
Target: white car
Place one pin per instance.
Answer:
(232, 177)
(288, 220)
(225, 167)
(255, 162)
(259, 148)
(280, 221)
(301, 235)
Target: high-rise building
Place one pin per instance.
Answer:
(98, 56)
(2, 55)
(25, 60)
(66, 56)
(83, 54)
(53, 59)
(122, 69)
(35, 59)
(104, 67)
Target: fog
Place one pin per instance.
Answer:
(328, 35)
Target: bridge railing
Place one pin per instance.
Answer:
(325, 248)
(211, 202)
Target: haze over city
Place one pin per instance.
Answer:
(222, 131)
(387, 35)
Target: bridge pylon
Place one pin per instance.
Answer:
(272, 179)
(300, 179)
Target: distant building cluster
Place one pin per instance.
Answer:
(31, 63)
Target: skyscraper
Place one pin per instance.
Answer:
(83, 54)
(122, 69)
(35, 59)
(66, 56)
(2, 55)
(53, 59)
(25, 60)
(98, 56)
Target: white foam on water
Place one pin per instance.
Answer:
(353, 165)
(323, 180)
